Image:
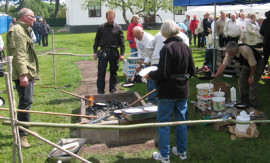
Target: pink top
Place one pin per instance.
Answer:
(130, 35)
(193, 25)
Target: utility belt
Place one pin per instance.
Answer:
(179, 76)
(108, 48)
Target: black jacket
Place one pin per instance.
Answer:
(175, 58)
(265, 31)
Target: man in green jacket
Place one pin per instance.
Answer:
(25, 64)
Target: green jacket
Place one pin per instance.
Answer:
(20, 46)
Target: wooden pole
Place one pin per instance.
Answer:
(54, 70)
(128, 127)
(75, 95)
(51, 113)
(55, 145)
(143, 97)
(9, 66)
(16, 143)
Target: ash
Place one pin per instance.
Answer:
(97, 110)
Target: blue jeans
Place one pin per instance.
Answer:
(133, 50)
(194, 39)
(165, 108)
(151, 85)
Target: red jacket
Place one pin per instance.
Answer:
(193, 25)
(130, 35)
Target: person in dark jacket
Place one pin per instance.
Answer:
(265, 32)
(44, 30)
(109, 37)
(175, 67)
(36, 29)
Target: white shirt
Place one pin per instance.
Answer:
(1, 43)
(153, 48)
(141, 44)
(244, 24)
(233, 28)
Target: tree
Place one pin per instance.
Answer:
(56, 9)
(6, 6)
(143, 8)
(21, 2)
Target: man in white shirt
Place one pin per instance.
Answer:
(243, 21)
(142, 38)
(220, 27)
(233, 29)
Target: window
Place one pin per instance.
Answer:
(94, 10)
(180, 10)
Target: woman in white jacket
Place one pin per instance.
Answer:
(253, 29)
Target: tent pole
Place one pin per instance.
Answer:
(214, 50)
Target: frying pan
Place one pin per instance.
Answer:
(128, 84)
(100, 104)
(240, 106)
(2, 101)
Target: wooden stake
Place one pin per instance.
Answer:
(16, 139)
(55, 145)
(143, 97)
(51, 113)
(75, 95)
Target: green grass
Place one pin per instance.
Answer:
(204, 143)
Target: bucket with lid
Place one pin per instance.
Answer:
(243, 117)
(205, 89)
(218, 103)
(204, 102)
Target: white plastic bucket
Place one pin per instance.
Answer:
(219, 94)
(204, 103)
(243, 117)
(205, 89)
(218, 103)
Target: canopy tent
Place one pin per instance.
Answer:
(200, 11)
(219, 2)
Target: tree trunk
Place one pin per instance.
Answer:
(56, 8)
(21, 3)
(6, 6)
(124, 12)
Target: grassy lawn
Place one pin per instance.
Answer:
(204, 143)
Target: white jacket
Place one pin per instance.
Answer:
(252, 33)
(153, 48)
(141, 44)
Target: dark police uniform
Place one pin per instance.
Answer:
(108, 37)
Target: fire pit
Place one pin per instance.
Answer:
(111, 102)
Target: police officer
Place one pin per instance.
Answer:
(109, 37)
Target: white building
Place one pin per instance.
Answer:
(80, 20)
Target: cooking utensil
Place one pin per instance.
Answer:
(100, 104)
(2, 101)
(66, 86)
(128, 84)
(75, 95)
(145, 71)
(240, 106)
(143, 97)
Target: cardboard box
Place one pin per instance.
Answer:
(225, 87)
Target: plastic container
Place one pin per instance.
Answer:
(233, 94)
(205, 89)
(219, 94)
(218, 103)
(243, 117)
(204, 103)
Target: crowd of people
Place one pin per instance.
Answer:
(168, 50)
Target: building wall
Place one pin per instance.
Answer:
(79, 21)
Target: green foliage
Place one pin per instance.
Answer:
(140, 7)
